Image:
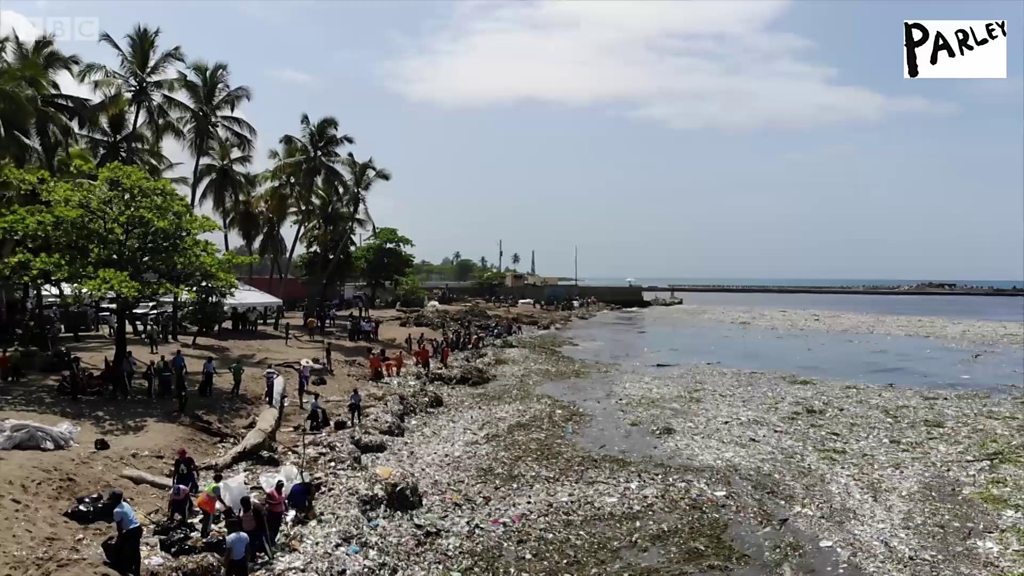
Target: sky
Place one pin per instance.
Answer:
(766, 139)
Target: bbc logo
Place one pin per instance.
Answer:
(69, 28)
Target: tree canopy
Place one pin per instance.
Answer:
(384, 259)
(124, 233)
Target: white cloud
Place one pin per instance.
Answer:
(291, 76)
(685, 64)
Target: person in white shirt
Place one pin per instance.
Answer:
(236, 555)
(129, 536)
(209, 370)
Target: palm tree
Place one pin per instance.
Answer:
(515, 261)
(36, 117)
(456, 257)
(483, 262)
(207, 110)
(362, 177)
(313, 159)
(227, 178)
(143, 73)
(273, 211)
(247, 220)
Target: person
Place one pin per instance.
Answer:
(327, 359)
(181, 393)
(408, 342)
(180, 369)
(179, 504)
(164, 377)
(399, 361)
(236, 374)
(421, 340)
(355, 407)
(185, 471)
(375, 327)
(236, 550)
(165, 328)
(300, 497)
(209, 370)
(365, 330)
(254, 523)
(311, 327)
(445, 353)
(5, 366)
(207, 503)
(149, 375)
(287, 332)
(376, 372)
(129, 536)
(130, 365)
(423, 355)
(305, 371)
(270, 375)
(111, 325)
(276, 509)
(317, 415)
(153, 335)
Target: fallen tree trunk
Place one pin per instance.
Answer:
(259, 438)
(197, 422)
(140, 477)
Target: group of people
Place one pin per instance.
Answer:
(252, 529)
(247, 320)
(363, 329)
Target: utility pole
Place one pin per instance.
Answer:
(533, 263)
(500, 254)
(576, 264)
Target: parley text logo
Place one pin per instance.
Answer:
(954, 48)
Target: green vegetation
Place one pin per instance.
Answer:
(96, 170)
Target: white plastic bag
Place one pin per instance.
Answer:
(25, 435)
(289, 473)
(232, 490)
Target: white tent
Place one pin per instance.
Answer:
(246, 296)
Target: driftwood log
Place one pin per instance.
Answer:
(140, 477)
(210, 428)
(261, 437)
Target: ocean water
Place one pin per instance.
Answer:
(990, 308)
(647, 340)
(818, 282)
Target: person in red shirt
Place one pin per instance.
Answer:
(398, 361)
(445, 352)
(277, 505)
(376, 366)
(5, 366)
(423, 355)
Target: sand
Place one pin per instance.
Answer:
(144, 434)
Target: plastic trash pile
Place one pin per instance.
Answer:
(90, 509)
(25, 435)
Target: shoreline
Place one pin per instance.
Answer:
(618, 472)
(545, 473)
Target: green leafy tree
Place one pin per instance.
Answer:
(409, 292)
(384, 259)
(464, 269)
(124, 234)
(515, 261)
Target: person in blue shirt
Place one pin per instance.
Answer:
(129, 536)
(236, 555)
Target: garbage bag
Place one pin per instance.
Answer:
(289, 473)
(25, 435)
(90, 509)
(232, 490)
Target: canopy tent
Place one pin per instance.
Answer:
(246, 296)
